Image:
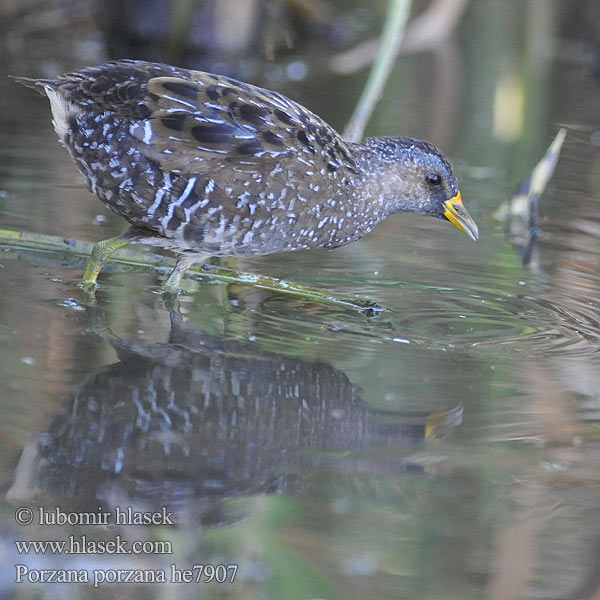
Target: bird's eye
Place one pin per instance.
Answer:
(433, 179)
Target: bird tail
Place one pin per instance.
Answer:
(35, 84)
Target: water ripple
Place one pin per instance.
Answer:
(518, 322)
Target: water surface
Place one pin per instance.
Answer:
(448, 447)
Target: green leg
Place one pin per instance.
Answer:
(181, 266)
(100, 254)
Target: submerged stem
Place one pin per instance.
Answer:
(37, 242)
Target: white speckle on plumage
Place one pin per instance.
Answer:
(117, 173)
(218, 233)
(243, 199)
(147, 132)
(186, 192)
(181, 101)
(192, 209)
(138, 199)
(308, 163)
(157, 200)
(61, 111)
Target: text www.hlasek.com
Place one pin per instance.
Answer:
(83, 545)
(24, 516)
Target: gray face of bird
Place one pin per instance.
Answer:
(427, 185)
(414, 176)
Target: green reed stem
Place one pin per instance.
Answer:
(391, 39)
(12, 239)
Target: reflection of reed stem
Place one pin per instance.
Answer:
(391, 38)
(23, 240)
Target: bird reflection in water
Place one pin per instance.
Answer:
(197, 421)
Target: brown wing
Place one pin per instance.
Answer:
(209, 118)
(184, 118)
(249, 170)
(272, 163)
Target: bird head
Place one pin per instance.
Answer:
(416, 177)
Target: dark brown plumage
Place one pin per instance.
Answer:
(209, 166)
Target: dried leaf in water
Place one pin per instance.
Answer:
(521, 211)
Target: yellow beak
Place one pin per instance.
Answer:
(457, 214)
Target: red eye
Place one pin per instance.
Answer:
(433, 179)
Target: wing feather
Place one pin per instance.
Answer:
(198, 120)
